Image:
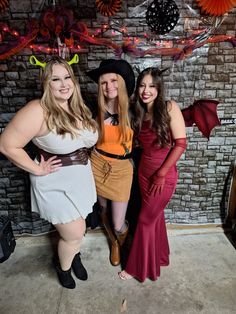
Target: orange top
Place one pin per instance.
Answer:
(113, 143)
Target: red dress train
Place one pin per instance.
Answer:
(150, 248)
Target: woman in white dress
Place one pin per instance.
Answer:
(62, 184)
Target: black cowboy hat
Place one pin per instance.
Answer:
(121, 67)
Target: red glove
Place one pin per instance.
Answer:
(158, 178)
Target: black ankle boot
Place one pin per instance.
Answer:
(78, 268)
(64, 276)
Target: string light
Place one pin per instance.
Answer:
(130, 45)
(6, 29)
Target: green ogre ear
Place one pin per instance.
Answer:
(75, 59)
(34, 61)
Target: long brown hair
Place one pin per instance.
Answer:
(160, 119)
(56, 117)
(123, 106)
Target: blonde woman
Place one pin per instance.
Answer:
(62, 184)
(112, 168)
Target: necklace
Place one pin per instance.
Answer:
(114, 117)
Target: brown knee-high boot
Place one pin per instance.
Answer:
(121, 236)
(115, 247)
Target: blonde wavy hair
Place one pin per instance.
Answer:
(123, 109)
(56, 117)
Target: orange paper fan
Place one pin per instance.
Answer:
(108, 7)
(216, 7)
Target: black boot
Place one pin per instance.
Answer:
(65, 278)
(78, 268)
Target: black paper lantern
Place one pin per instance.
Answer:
(162, 16)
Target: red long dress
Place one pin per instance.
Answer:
(150, 248)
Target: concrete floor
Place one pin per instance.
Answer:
(200, 279)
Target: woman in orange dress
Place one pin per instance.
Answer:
(111, 164)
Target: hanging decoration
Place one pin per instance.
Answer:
(216, 7)
(12, 47)
(58, 32)
(108, 7)
(162, 16)
(177, 53)
(3, 5)
(57, 21)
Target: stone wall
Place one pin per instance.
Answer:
(207, 72)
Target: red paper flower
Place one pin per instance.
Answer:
(58, 19)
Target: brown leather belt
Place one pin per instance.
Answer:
(78, 157)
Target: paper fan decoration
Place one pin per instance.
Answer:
(216, 7)
(108, 7)
(3, 5)
(162, 16)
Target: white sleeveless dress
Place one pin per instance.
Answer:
(69, 193)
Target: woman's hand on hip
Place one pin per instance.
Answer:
(49, 166)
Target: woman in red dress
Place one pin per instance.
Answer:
(161, 133)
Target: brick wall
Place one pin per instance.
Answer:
(208, 72)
